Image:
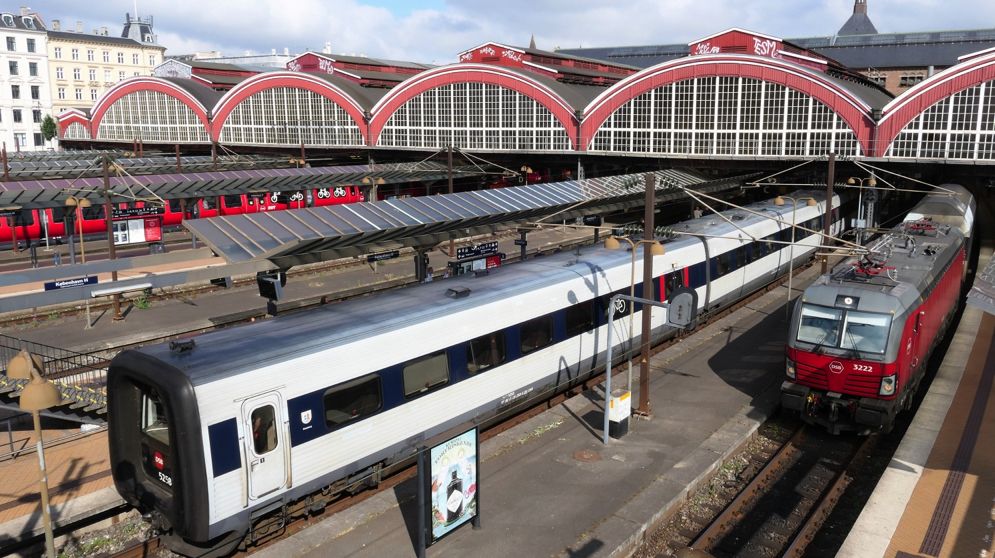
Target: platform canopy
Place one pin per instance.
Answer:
(28, 194)
(294, 237)
(91, 165)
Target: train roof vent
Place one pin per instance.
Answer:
(457, 292)
(738, 217)
(182, 346)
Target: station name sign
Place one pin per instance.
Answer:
(380, 256)
(482, 249)
(71, 283)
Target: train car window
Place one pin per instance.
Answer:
(697, 275)
(866, 332)
(820, 325)
(579, 318)
(741, 257)
(233, 200)
(537, 333)
(264, 429)
(94, 212)
(24, 218)
(174, 205)
(485, 352)
(352, 400)
(723, 264)
(672, 281)
(209, 203)
(154, 422)
(58, 214)
(425, 373)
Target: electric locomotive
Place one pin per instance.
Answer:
(860, 336)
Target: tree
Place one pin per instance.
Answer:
(48, 128)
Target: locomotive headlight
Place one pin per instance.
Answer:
(887, 385)
(789, 369)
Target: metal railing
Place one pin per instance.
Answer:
(68, 367)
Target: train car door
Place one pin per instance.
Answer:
(266, 444)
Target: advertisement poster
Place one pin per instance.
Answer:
(453, 496)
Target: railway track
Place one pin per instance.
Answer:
(787, 498)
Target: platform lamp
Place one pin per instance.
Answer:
(656, 249)
(859, 182)
(779, 201)
(37, 395)
(79, 204)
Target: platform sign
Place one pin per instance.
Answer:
(451, 498)
(71, 283)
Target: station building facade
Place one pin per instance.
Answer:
(739, 94)
(24, 85)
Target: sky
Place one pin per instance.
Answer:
(436, 31)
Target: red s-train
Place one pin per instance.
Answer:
(860, 336)
(34, 224)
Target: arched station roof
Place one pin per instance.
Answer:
(352, 98)
(193, 95)
(74, 124)
(958, 101)
(839, 95)
(553, 96)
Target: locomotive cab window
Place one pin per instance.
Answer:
(820, 325)
(485, 352)
(155, 425)
(352, 400)
(866, 332)
(425, 373)
(536, 334)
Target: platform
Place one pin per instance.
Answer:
(937, 497)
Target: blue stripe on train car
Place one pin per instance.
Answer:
(224, 446)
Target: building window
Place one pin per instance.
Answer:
(93, 74)
(75, 54)
(35, 92)
(36, 116)
(136, 74)
(134, 59)
(151, 60)
(89, 55)
(93, 94)
(31, 45)
(33, 69)
(58, 73)
(908, 80)
(120, 76)
(79, 94)
(76, 73)
(13, 67)
(58, 52)
(62, 93)
(120, 58)
(20, 139)
(107, 76)
(15, 91)
(17, 115)
(39, 139)
(11, 43)
(107, 56)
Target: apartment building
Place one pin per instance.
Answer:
(25, 99)
(82, 66)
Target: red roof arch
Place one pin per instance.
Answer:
(476, 73)
(852, 109)
(135, 84)
(909, 105)
(71, 116)
(270, 80)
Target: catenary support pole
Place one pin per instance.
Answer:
(828, 218)
(648, 234)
